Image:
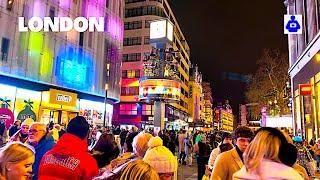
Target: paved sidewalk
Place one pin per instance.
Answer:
(188, 172)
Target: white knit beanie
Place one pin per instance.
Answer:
(160, 157)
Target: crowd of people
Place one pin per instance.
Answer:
(35, 150)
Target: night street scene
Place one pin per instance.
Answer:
(159, 90)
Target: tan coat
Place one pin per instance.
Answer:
(226, 165)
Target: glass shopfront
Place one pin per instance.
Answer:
(52, 105)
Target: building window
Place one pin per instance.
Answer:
(160, 1)
(131, 73)
(147, 24)
(133, 25)
(134, 1)
(130, 91)
(131, 41)
(81, 39)
(90, 39)
(107, 3)
(128, 109)
(5, 49)
(10, 4)
(146, 40)
(146, 10)
(147, 109)
(131, 57)
(146, 56)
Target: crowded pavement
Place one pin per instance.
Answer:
(81, 151)
(159, 90)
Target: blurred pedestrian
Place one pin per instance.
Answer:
(22, 134)
(202, 149)
(182, 153)
(3, 133)
(229, 162)
(16, 160)
(105, 150)
(226, 139)
(189, 149)
(305, 159)
(14, 127)
(123, 135)
(116, 167)
(69, 159)
(263, 157)
(317, 152)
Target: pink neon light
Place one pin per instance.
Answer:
(38, 9)
(115, 27)
(65, 4)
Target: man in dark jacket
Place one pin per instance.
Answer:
(14, 128)
(70, 159)
(41, 141)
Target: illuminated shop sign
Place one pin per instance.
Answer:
(305, 89)
(62, 97)
(159, 89)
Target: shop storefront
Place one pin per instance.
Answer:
(58, 106)
(52, 105)
(307, 108)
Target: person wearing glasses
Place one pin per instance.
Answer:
(42, 142)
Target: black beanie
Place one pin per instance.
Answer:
(129, 141)
(79, 127)
(225, 135)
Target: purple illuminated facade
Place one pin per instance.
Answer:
(80, 62)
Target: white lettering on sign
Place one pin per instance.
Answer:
(306, 89)
(64, 98)
(61, 24)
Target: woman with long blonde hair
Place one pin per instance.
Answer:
(138, 169)
(265, 157)
(16, 161)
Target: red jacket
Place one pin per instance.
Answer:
(68, 159)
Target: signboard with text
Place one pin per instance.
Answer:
(305, 89)
(62, 97)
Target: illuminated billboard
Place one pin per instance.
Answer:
(159, 89)
(161, 29)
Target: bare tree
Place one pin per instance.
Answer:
(268, 86)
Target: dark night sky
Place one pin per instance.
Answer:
(229, 36)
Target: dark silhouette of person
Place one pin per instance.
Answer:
(293, 25)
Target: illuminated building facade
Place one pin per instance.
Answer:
(195, 92)
(136, 50)
(207, 114)
(78, 64)
(304, 62)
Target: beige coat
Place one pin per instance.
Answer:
(269, 170)
(226, 164)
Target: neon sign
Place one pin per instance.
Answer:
(74, 68)
(159, 89)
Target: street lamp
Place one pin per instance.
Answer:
(106, 87)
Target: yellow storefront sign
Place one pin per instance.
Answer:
(62, 97)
